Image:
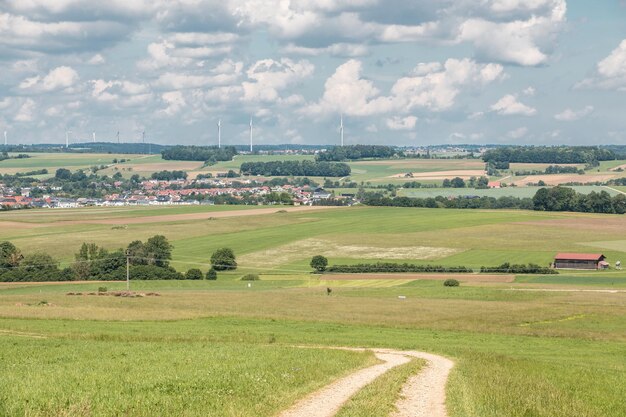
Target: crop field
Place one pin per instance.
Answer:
(424, 170)
(547, 346)
(53, 161)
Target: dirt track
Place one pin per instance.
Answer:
(434, 276)
(423, 395)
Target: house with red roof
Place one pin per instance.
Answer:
(580, 261)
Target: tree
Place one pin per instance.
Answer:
(319, 263)
(40, 267)
(10, 256)
(137, 252)
(224, 260)
(212, 274)
(194, 273)
(63, 174)
(159, 249)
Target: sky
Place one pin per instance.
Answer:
(401, 72)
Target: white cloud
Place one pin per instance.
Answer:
(569, 115)
(610, 72)
(268, 77)
(348, 50)
(517, 133)
(97, 59)
(510, 106)
(57, 79)
(26, 111)
(401, 123)
(529, 91)
(435, 87)
(175, 102)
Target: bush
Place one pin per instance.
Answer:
(212, 274)
(319, 263)
(451, 283)
(250, 277)
(102, 289)
(507, 268)
(150, 272)
(224, 260)
(194, 273)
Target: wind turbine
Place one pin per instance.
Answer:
(251, 135)
(118, 136)
(6, 142)
(219, 133)
(341, 129)
(93, 136)
(67, 138)
(143, 136)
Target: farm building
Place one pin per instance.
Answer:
(580, 261)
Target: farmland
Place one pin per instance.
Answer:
(223, 348)
(551, 345)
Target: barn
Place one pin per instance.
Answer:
(580, 261)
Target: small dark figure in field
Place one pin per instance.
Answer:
(329, 291)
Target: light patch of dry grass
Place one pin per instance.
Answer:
(294, 251)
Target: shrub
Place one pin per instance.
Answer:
(224, 260)
(250, 277)
(102, 289)
(194, 273)
(212, 274)
(451, 283)
(319, 263)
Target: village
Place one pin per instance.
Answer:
(179, 192)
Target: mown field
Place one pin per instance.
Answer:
(53, 161)
(540, 346)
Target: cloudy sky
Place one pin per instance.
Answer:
(401, 71)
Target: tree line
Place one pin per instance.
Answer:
(354, 152)
(545, 199)
(296, 168)
(149, 260)
(209, 154)
(547, 155)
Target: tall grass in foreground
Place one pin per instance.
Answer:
(57, 377)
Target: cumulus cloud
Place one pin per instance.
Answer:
(510, 106)
(610, 72)
(433, 86)
(268, 77)
(26, 111)
(569, 115)
(517, 133)
(57, 79)
(401, 123)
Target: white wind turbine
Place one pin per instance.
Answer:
(219, 133)
(341, 129)
(251, 135)
(67, 138)
(93, 136)
(6, 141)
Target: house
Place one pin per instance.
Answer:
(580, 261)
(321, 194)
(494, 184)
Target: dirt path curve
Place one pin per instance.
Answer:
(423, 394)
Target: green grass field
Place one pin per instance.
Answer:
(545, 346)
(519, 192)
(53, 161)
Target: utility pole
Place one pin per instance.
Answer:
(127, 270)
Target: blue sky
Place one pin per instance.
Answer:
(401, 72)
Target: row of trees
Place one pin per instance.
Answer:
(296, 168)
(545, 199)
(567, 199)
(209, 154)
(354, 152)
(169, 175)
(547, 155)
(148, 260)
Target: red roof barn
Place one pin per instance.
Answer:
(580, 261)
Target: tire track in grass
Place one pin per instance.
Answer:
(423, 395)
